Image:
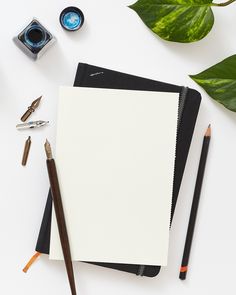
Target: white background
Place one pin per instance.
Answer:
(113, 36)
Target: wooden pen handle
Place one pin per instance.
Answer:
(56, 195)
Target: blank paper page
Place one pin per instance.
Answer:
(115, 158)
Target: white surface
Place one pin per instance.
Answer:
(115, 166)
(113, 36)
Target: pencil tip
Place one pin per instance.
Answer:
(208, 131)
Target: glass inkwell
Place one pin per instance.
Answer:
(34, 40)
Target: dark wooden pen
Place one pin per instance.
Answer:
(56, 196)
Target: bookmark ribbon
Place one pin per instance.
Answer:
(31, 261)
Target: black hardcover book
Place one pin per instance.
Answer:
(189, 102)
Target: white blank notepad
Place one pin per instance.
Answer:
(115, 159)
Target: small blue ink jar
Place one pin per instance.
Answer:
(71, 18)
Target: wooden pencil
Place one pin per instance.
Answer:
(56, 195)
(195, 203)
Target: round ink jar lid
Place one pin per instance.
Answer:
(71, 18)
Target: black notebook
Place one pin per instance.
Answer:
(189, 102)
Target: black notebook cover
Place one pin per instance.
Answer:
(189, 102)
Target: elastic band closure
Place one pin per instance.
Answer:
(182, 99)
(141, 270)
(31, 261)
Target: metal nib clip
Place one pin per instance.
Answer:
(32, 124)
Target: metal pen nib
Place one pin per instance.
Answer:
(32, 124)
(34, 105)
(26, 151)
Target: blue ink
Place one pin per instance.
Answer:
(71, 18)
(35, 36)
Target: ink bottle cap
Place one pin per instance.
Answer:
(71, 18)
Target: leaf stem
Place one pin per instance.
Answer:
(223, 4)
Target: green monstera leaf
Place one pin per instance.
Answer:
(177, 20)
(219, 82)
